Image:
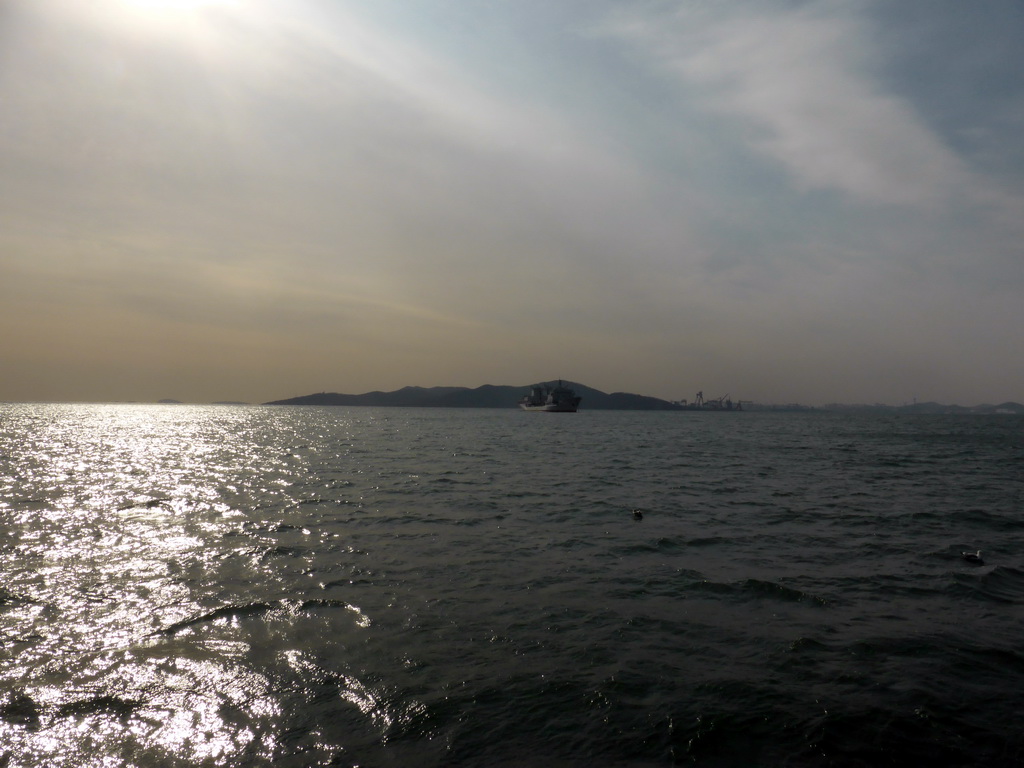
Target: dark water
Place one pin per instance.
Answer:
(231, 586)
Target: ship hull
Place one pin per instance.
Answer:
(552, 408)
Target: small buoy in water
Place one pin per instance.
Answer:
(638, 515)
(972, 557)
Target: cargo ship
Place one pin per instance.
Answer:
(544, 397)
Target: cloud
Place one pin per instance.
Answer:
(801, 80)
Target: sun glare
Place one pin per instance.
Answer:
(179, 21)
(168, 6)
(171, 10)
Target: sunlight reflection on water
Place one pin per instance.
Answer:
(148, 588)
(119, 511)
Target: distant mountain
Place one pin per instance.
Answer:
(487, 396)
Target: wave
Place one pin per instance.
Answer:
(708, 541)
(144, 503)
(245, 610)
(20, 709)
(662, 545)
(1000, 585)
(986, 519)
(225, 612)
(758, 589)
(6, 597)
(102, 704)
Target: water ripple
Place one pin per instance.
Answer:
(220, 586)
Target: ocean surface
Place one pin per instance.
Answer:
(249, 586)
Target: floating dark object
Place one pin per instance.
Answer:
(972, 557)
(638, 515)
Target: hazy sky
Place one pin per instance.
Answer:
(257, 199)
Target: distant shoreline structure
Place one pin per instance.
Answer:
(723, 403)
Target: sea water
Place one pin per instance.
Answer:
(246, 585)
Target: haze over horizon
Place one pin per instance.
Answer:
(789, 201)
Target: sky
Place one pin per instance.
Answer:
(249, 200)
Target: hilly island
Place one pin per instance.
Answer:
(487, 396)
